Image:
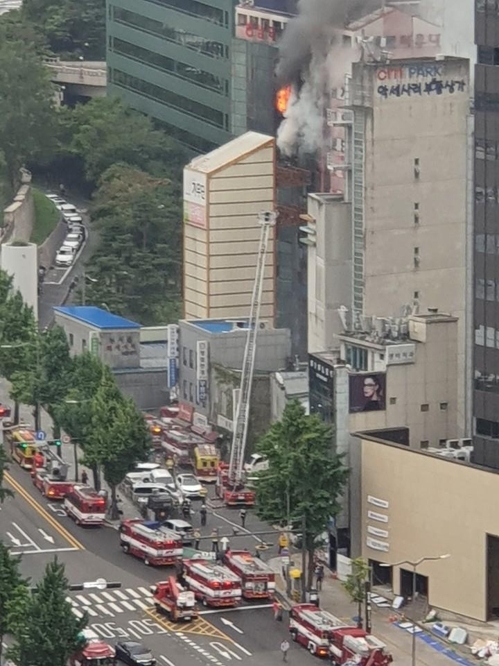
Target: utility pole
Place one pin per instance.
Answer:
(304, 560)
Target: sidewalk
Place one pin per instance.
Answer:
(333, 598)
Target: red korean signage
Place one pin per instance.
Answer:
(185, 412)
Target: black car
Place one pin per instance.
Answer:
(134, 654)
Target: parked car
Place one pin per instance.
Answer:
(65, 256)
(74, 241)
(56, 199)
(76, 228)
(189, 486)
(145, 466)
(181, 527)
(72, 218)
(134, 654)
(256, 463)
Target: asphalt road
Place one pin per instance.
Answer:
(39, 531)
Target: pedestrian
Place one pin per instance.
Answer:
(319, 576)
(277, 608)
(202, 512)
(84, 477)
(242, 515)
(284, 650)
(197, 538)
(214, 541)
(283, 542)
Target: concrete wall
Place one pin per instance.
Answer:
(430, 506)
(147, 388)
(48, 249)
(19, 217)
(20, 261)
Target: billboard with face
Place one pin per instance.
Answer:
(368, 392)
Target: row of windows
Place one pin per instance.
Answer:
(188, 353)
(190, 41)
(489, 383)
(197, 9)
(189, 106)
(485, 149)
(488, 55)
(487, 428)
(487, 290)
(198, 144)
(488, 243)
(485, 101)
(489, 6)
(486, 194)
(178, 69)
(487, 336)
(356, 357)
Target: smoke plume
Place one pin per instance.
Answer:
(306, 63)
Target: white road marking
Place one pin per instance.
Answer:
(83, 600)
(39, 551)
(71, 601)
(167, 661)
(225, 651)
(120, 594)
(238, 525)
(232, 610)
(78, 613)
(91, 612)
(108, 596)
(133, 593)
(141, 604)
(230, 624)
(242, 648)
(46, 536)
(28, 539)
(145, 591)
(95, 597)
(103, 609)
(15, 541)
(116, 608)
(127, 605)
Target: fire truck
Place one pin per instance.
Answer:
(212, 583)
(94, 652)
(85, 506)
(233, 494)
(173, 599)
(257, 577)
(205, 462)
(51, 477)
(23, 445)
(352, 645)
(150, 542)
(312, 627)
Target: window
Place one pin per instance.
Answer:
(184, 356)
(416, 206)
(184, 390)
(195, 8)
(487, 428)
(416, 294)
(416, 161)
(191, 393)
(71, 340)
(443, 406)
(442, 442)
(83, 345)
(425, 407)
(416, 251)
(191, 358)
(357, 357)
(424, 444)
(393, 401)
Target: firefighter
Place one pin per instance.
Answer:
(84, 477)
(202, 512)
(277, 608)
(197, 538)
(283, 542)
(214, 541)
(242, 515)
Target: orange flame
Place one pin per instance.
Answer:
(282, 99)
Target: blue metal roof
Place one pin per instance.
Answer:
(216, 325)
(97, 317)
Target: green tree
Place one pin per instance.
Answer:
(4, 492)
(27, 114)
(46, 631)
(305, 478)
(56, 369)
(118, 437)
(10, 581)
(355, 585)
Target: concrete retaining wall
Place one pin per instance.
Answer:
(48, 249)
(19, 217)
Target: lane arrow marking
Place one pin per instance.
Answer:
(46, 536)
(15, 541)
(167, 661)
(225, 652)
(230, 624)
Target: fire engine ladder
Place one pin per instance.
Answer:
(56, 467)
(266, 221)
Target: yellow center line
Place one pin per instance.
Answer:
(43, 513)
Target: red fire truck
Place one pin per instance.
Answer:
(313, 627)
(212, 583)
(94, 652)
(233, 495)
(179, 444)
(85, 505)
(257, 577)
(178, 603)
(51, 476)
(352, 645)
(151, 542)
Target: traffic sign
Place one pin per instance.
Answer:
(41, 435)
(65, 439)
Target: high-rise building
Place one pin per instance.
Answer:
(171, 59)
(486, 232)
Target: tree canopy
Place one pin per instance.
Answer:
(305, 477)
(10, 582)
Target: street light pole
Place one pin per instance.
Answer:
(414, 566)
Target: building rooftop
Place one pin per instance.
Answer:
(88, 314)
(294, 383)
(230, 152)
(220, 325)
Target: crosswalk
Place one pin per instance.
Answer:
(110, 603)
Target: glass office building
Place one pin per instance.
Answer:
(171, 59)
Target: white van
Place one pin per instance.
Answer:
(256, 463)
(143, 490)
(164, 477)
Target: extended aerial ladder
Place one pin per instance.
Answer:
(234, 486)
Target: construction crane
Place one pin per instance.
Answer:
(234, 482)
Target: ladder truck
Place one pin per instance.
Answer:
(230, 482)
(50, 474)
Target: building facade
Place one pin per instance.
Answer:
(20, 261)
(486, 245)
(171, 59)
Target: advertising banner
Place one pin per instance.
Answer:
(367, 392)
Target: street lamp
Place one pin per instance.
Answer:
(414, 566)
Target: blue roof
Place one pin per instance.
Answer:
(217, 325)
(97, 317)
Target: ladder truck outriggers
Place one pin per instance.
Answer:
(231, 481)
